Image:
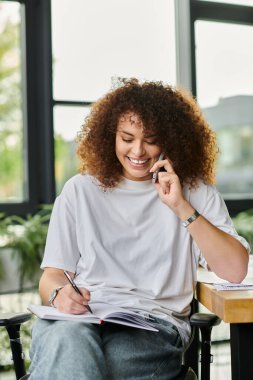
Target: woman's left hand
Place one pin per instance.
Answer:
(168, 185)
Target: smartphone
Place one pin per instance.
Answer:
(155, 174)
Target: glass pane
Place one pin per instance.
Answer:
(12, 170)
(224, 62)
(94, 41)
(238, 2)
(67, 123)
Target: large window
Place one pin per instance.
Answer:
(13, 169)
(224, 63)
(26, 120)
(223, 82)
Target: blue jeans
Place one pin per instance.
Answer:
(80, 351)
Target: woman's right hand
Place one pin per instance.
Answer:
(69, 301)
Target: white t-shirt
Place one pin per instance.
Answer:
(128, 248)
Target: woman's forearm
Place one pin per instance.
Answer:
(225, 255)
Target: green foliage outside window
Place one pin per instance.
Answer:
(66, 162)
(9, 70)
(11, 130)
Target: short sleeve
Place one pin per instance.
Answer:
(61, 250)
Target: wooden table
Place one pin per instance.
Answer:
(236, 308)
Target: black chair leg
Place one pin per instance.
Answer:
(206, 357)
(16, 349)
(205, 323)
(12, 323)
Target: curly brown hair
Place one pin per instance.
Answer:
(170, 113)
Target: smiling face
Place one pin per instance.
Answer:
(136, 152)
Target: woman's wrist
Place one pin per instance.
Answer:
(53, 295)
(184, 210)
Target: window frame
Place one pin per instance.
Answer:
(220, 12)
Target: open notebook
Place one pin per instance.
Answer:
(101, 313)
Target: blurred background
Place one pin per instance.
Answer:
(59, 56)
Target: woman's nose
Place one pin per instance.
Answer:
(138, 149)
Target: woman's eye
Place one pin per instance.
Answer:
(127, 141)
(151, 142)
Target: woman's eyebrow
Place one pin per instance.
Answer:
(130, 134)
(126, 133)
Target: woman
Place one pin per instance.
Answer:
(131, 242)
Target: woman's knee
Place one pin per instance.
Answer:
(59, 334)
(76, 346)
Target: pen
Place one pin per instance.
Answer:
(71, 281)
